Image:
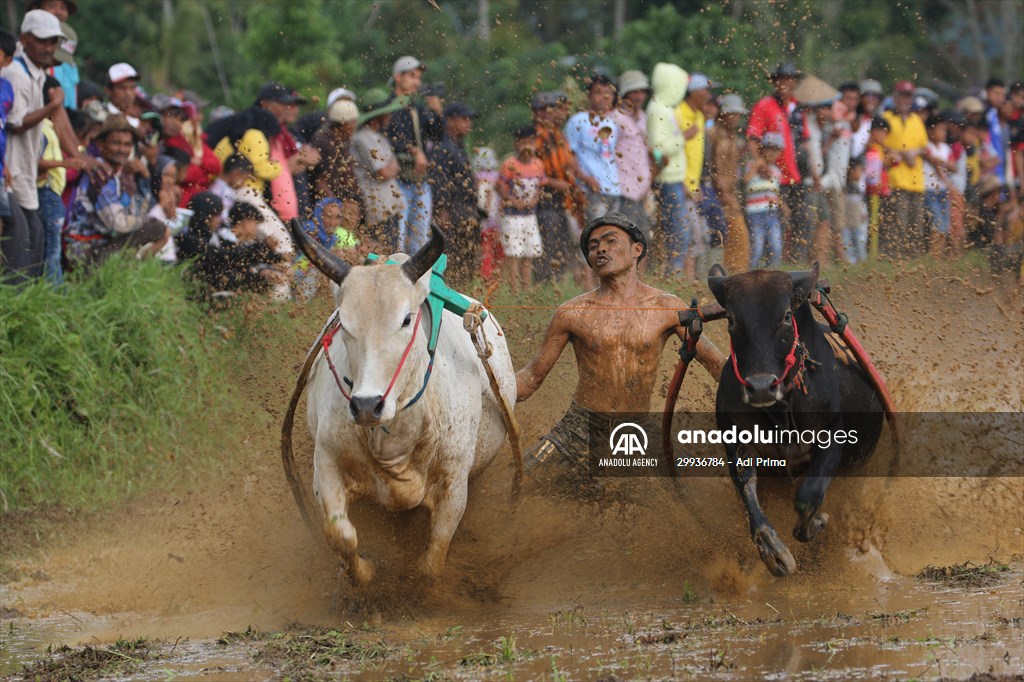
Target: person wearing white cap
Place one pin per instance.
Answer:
(122, 79)
(632, 155)
(409, 131)
(334, 177)
(40, 36)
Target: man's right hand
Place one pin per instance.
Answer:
(420, 161)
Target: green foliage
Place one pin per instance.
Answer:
(99, 383)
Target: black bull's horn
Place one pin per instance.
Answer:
(337, 269)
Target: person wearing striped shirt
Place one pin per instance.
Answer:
(762, 178)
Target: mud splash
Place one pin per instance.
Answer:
(651, 589)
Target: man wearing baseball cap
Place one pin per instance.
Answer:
(283, 103)
(455, 200)
(122, 96)
(690, 114)
(903, 232)
(40, 36)
(409, 131)
(618, 333)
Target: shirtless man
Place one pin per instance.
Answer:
(617, 332)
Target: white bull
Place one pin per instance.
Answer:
(376, 444)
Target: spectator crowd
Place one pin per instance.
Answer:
(809, 172)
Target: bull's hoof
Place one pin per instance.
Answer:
(807, 531)
(774, 553)
(361, 571)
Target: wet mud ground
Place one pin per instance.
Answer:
(915, 578)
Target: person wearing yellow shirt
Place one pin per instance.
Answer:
(690, 116)
(904, 232)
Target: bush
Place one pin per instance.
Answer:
(100, 384)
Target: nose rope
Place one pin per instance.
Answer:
(329, 338)
(787, 368)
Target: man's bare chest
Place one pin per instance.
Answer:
(614, 332)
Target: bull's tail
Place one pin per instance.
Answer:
(287, 457)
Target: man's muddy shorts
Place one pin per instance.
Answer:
(560, 462)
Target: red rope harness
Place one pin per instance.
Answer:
(790, 359)
(329, 338)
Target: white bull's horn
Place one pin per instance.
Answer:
(424, 259)
(323, 258)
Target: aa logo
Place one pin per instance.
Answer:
(628, 439)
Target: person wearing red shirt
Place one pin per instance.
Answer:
(204, 166)
(773, 114)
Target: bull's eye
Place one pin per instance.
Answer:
(730, 320)
(788, 318)
(408, 320)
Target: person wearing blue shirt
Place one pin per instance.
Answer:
(592, 135)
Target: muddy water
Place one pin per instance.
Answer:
(645, 589)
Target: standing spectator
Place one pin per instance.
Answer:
(376, 168)
(765, 204)
(560, 199)
(1015, 117)
(8, 45)
(956, 123)
(122, 96)
(52, 181)
(455, 194)
(248, 133)
(773, 114)
(855, 232)
(488, 205)
(839, 134)
(867, 109)
(204, 166)
(725, 168)
(668, 147)
(998, 126)
(904, 234)
(110, 209)
(690, 114)
(65, 70)
(519, 183)
(409, 131)
(284, 105)
(877, 161)
(632, 154)
(334, 176)
(40, 33)
(592, 135)
(937, 167)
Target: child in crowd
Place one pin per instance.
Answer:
(877, 160)
(762, 178)
(8, 44)
(488, 206)
(855, 231)
(238, 260)
(167, 193)
(937, 166)
(519, 183)
(234, 175)
(50, 186)
(327, 227)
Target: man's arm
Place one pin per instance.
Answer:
(529, 378)
(34, 118)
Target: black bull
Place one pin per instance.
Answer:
(784, 374)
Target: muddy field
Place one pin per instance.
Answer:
(915, 578)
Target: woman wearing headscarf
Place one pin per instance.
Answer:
(181, 131)
(249, 133)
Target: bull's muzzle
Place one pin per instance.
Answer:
(762, 390)
(366, 411)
